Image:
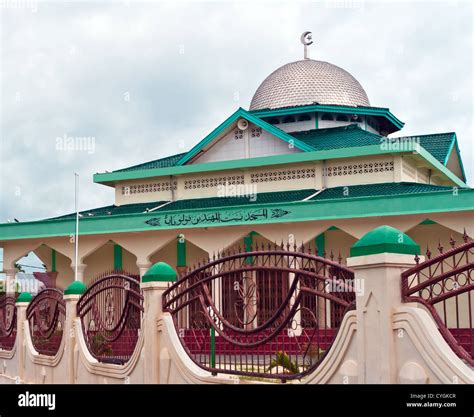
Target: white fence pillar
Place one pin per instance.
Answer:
(21, 305)
(71, 296)
(378, 260)
(154, 283)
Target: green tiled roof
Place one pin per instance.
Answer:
(260, 198)
(353, 135)
(437, 144)
(371, 190)
(113, 210)
(167, 162)
(337, 137)
(212, 202)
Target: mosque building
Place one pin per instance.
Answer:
(309, 163)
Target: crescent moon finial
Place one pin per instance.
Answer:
(306, 39)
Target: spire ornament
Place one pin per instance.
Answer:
(306, 39)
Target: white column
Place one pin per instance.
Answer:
(80, 271)
(153, 310)
(143, 267)
(378, 277)
(10, 280)
(20, 337)
(70, 334)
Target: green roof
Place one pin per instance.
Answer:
(385, 239)
(195, 203)
(113, 210)
(438, 144)
(75, 288)
(439, 200)
(387, 120)
(160, 271)
(369, 190)
(260, 198)
(335, 193)
(169, 161)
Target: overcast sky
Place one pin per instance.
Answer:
(150, 79)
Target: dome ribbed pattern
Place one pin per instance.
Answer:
(308, 82)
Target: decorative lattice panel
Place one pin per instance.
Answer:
(357, 169)
(213, 182)
(149, 188)
(287, 175)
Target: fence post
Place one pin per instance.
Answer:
(21, 305)
(154, 283)
(72, 294)
(378, 259)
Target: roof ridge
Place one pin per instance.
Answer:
(426, 134)
(151, 161)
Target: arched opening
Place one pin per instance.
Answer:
(184, 255)
(42, 267)
(431, 236)
(333, 244)
(249, 299)
(108, 258)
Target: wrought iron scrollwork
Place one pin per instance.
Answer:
(8, 326)
(444, 284)
(111, 312)
(46, 314)
(268, 313)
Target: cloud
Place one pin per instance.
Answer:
(140, 78)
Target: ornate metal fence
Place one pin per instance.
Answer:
(7, 322)
(111, 314)
(46, 314)
(269, 312)
(444, 284)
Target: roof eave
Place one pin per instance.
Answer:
(360, 207)
(111, 178)
(393, 123)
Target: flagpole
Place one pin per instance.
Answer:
(76, 239)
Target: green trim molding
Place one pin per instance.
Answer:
(118, 255)
(76, 288)
(411, 148)
(181, 251)
(53, 260)
(320, 242)
(241, 113)
(24, 297)
(248, 241)
(160, 272)
(382, 112)
(312, 210)
(455, 145)
(385, 239)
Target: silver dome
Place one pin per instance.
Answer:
(308, 82)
